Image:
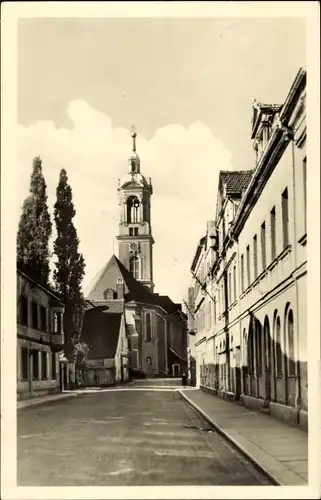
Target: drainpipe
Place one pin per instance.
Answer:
(297, 362)
(166, 354)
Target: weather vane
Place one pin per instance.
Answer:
(134, 135)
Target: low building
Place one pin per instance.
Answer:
(104, 332)
(41, 365)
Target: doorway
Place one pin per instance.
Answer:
(267, 359)
(176, 371)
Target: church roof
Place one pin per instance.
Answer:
(100, 330)
(134, 290)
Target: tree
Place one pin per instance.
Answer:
(70, 264)
(35, 228)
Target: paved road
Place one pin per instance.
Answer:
(121, 438)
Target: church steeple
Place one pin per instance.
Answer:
(134, 161)
(135, 240)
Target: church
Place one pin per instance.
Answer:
(152, 327)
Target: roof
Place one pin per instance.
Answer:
(100, 330)
(29, 275)
(134, 290)
(235, 181)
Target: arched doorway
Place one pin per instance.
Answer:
(267, 359)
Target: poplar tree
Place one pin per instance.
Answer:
(70, 265)
(35, 228)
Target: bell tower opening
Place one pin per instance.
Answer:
(133, 210)
(135, 230)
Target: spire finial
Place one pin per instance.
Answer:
(134, 135)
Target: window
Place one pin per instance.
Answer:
(259, 348)
(24, 364)
(248, 265)
(273, 242)
(234, 282)
(285, 218)
(148, 327)
(136, 231)
(35, 365)
(131, 231)
(278, 348)
(34, 315)
(305, 193)
(43, 319)
(134, 266)
(242, 273)
(109, 294)
(23, 310)
(255, 256)
(291, 361)
(53, 367)
(263, 246)
(230, 288)
(133, 209)
(44, 365)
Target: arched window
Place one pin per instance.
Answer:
(109, 294)
(133, 209)
(258, 332)
(290, 325)
(134, 266)
(148, 330)
(278, 347)
(267, 344)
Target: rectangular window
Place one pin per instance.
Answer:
(248, 265)
(273, 241)
(34, 315)
(255, 256)
(44, 365)
(263, 246)
(234, 282)
(35, 365)
(24, 364)
(136, 231)
(229, 288)
(131, 231)
(53, 367)
(242, 273)
(305, 193)
(43, 319)
(285, 218)
(23, 306)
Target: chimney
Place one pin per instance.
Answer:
(120, 288)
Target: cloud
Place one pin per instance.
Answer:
(182, 162)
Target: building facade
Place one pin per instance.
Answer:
(41, 366)
(260, 271)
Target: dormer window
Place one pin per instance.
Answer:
(109, 294)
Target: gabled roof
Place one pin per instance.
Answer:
(134, 290)
(235, 181)
(100, 330)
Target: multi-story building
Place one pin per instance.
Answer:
(259, 276)
(41, 366)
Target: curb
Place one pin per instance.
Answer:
(231, 440)
(37, 402)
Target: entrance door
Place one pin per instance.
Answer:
(176, 371)
(267, 359)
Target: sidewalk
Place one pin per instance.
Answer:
(279, 450)
(44, 399)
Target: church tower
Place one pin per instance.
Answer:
(135, 240)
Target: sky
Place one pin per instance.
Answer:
(187, 84)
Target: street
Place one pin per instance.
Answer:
(125, 438)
